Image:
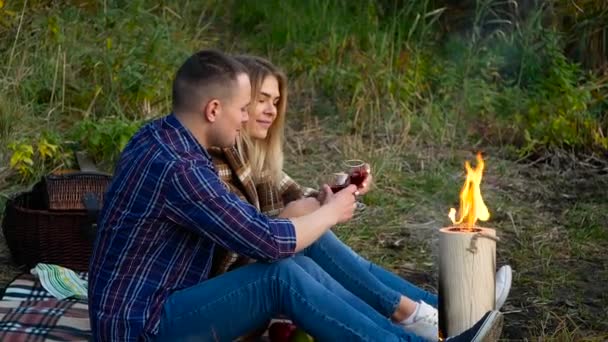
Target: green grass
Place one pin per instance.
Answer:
(587, 221)
(413, 87)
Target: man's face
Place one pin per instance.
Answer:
(233, 113)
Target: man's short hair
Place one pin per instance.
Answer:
(205, 75)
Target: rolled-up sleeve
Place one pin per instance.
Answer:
(197, 200)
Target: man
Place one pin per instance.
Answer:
(166, 211)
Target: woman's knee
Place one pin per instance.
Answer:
(306, 263)
(284, 268)
(332, 244)
(328, 237)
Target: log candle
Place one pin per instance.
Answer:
(467, 260)
(467, 266)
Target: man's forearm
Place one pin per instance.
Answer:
(311, 226)
(300, 207)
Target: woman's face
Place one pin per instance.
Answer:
(264, 111)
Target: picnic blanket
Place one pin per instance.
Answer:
(29, 313)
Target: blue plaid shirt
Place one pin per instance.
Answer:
(163, 215)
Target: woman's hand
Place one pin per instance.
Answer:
(300, 207)
(367, 182)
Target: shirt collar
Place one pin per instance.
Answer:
(172, 121)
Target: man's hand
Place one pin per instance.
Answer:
(336, 208)
(300, 207)
(341, 204)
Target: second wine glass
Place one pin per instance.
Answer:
(357, 171)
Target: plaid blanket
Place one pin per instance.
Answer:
(29, 313)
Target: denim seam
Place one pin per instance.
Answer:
(328, 255)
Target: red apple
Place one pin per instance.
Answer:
(281, 331)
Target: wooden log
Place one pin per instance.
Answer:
(467, 264)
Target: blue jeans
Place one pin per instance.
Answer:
(376, 286)
(232, 304)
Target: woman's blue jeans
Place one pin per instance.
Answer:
(376, 286)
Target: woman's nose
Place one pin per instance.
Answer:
(271, 109)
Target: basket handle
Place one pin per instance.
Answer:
(85, 163)
(91, 204)
(86, 166)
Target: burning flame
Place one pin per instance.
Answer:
(472, 207)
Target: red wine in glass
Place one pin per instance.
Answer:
(335, 188)
(357, 177)
(358, 171)
(338, 181)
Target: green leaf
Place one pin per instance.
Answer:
(15, 159)
(28, 161)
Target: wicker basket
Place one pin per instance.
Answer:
(64, 237)
(65, 191)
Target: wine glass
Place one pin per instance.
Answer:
(337, 181)
(357, 171)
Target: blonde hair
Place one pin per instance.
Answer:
(265, 155)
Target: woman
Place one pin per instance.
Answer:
(254, 170)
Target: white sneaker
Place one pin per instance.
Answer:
(504, 277)
(426, 322)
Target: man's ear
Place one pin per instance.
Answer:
(212, 109)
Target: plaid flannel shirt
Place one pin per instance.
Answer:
(235, 171)
(163, 216)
